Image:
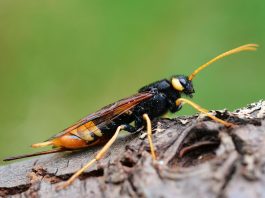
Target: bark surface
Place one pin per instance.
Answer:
(197, 157)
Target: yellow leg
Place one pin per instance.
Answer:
(205, 111)
(149, 135)
(99, 156)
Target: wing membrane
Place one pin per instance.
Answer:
(108, 113)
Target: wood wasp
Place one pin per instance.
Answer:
(130, 114)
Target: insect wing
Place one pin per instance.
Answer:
(106, 114)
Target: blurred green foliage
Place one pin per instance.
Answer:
(60, 60)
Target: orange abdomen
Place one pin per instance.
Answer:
(69, 141)
(85, 135)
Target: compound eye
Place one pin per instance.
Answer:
(177, 85)
(183, 81)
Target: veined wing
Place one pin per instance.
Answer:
(105, 115)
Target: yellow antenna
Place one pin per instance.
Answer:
(247, 47)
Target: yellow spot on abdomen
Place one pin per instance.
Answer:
(84, 133)
(94, 129)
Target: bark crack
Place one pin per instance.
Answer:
(193, 153)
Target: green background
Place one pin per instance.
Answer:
(60, 60)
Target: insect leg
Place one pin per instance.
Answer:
(99, 156)
(129, 128)
(138, 125)
(149, 135)
(202, 110)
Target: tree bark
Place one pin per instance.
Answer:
(197, 157)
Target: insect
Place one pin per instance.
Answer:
(103, 126)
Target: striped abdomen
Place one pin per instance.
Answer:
(83, 136)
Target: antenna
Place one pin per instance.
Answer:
(247, 47)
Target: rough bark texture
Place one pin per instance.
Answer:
(197, 158)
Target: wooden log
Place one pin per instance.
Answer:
(196, 158)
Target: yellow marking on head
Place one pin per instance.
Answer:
(176, 84)
(247, 47)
